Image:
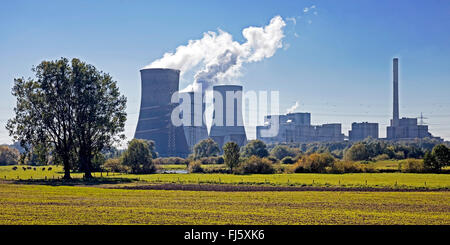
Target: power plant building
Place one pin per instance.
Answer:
(403, 128)
(361, 131)
(296, 127)
(228, 124)
(158, 86)
(196, 130)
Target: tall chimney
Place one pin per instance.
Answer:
(395, 115)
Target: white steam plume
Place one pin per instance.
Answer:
(219, 57)
(292, 108)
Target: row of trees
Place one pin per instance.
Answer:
(374, 148)
(69, 111)
(368, 150)
(433, 160)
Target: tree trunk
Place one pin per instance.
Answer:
(86, 163)
(66, 169)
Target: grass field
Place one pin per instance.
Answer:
(30, 204)
(381, 180)
(389, 180)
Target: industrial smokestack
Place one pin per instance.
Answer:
(158, 86)
(228, 122)
(395, 115)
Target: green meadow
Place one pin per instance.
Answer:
(32, 204)
(376, 180)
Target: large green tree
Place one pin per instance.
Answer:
(282, 151)
(138, 157)
(437, 158)
(99, 112)
(71, 109)
(442, 154)
(357, 152)
(43, 112)
(206, 148)
(255, 148)
(231, 155)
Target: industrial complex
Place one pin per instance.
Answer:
(158, 86)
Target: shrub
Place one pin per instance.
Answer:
(138, 157)
(369, 168)
(206, 148)
(211, 160)
(399, 155)
(272, 159)
(195, 167)
(256, 165)
(314, 163)
(381, 157)
(255, 148)
(282, 151)
(436, 159)
(287, 160)
(340, 167)
(171, 160)
(411, 166)
(8, 155)
(115, 165)
(357, 152)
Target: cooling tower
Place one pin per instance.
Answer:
(196, 129)
(228, 122)
(154, 122)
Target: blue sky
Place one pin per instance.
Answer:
(335, 63)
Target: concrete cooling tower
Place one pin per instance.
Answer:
(196, 130)
(154, 122)
(224, 130)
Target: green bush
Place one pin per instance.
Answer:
(256, 165)
(411, 166)
(206, 148)
(357, 152)
(272, 159)
(382, 157)
(287, 160)
(195, 167)
(8, 155)
(340, 167)
(171, 160)
(115, 165)
(138, 157)
(211, 160)
(282, 151)
(255, 148)
(314, 163)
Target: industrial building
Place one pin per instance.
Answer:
(361, 131)
(296, 127)
(224, 127)
(196, 130)
(403, 128)
(158, 86)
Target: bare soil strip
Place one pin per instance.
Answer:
(246, 188)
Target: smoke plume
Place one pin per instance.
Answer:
(217, 58)
(292, 108)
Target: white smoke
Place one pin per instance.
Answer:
(219, 59)
(292, 108)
